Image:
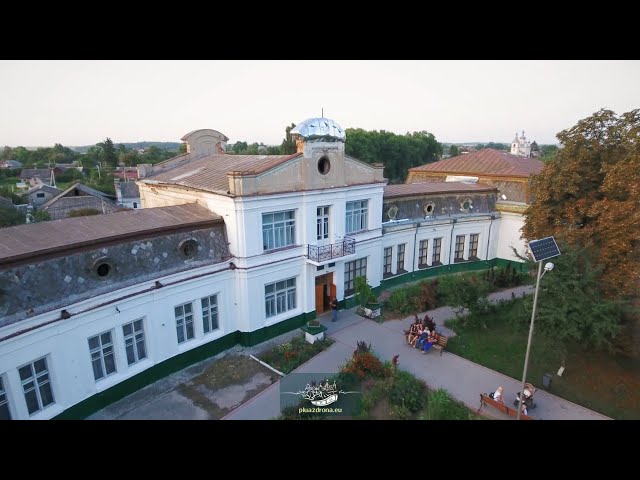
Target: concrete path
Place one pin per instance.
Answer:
(463, 379)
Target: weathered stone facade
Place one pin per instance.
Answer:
(38, 287)
(442, 205)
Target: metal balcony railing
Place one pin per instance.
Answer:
(328, 252)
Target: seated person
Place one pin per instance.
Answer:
(412, 333)
(416, 336)
(425, 341)
(524, 410)
(497, 396)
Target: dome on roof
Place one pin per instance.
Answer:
(319, 128)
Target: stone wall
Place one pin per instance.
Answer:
(33, 289)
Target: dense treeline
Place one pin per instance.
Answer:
(398, 153)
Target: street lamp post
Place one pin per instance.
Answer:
(541, 250)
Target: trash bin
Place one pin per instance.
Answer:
(546, 380)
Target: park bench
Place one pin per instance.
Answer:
(442, 343)
(485, 399)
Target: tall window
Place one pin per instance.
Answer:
(278, 229)
(322, 223)
(36, 385)
(209, 313)
(357, 216)
(184, 322)
(400, 268)
(5, 414)
(459, 252)
(357, 268)
(134, 343)
(424, 252)
(387, 260)
(280, 297)
(437, 244)
(473, 245)
(102, 358)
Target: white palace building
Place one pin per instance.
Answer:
(232, 249)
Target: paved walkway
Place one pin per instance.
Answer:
(463, 379)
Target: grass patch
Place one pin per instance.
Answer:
(441, 406)
(596, 380)
(286, 357)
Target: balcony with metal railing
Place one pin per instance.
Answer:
(320, 254)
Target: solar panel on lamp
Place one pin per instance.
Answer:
(544, 249)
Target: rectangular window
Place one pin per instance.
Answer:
(5, 414)
(400, 268)
(134, 343)
(184, 322)
(357, 216)
(459, 252)
(387, 260)
(357, 268)
(437, 244)
(36, 385)
(209, 313)
(424, 252)
(473, 246)
(40, 195)
(102, 358)
(280, 297)
(322, 223)
(278, 229)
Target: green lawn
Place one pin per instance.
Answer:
(597, 380)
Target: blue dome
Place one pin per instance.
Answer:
(319, 128)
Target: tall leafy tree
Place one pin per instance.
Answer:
(109, 157)
(288, 145)
(588, 194)
(454, 151)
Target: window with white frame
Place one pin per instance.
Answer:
(437, 245)
(134, 343)
(400, 265)
(280, 297)
(388, 252)
(424, 252)
(322, 223)
(459, 251)
(5, 414)
(352, 270)
(102, 358)
(36, 385)
(473, 245)
(209, 313)
(357, 216)
(184, 322)
(278, 229)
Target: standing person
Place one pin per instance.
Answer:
(334, 309)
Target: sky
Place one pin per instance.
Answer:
(83, 102)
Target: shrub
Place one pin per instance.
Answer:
(364, 292)
(365, 365)
(362, 347)
(408, 392)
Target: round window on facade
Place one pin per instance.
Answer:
(189, 248)
(324, 165)
(429, 208)
(103, 268)
(466, 206)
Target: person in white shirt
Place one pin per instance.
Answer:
(497, 396)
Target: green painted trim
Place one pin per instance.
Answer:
(174, 364)
(447, 269)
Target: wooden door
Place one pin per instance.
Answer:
(332, 289)
(319, 300)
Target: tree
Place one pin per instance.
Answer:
(110, 156)
(288, 144)
(588, 195)
(464, 293)
(571, 304)
(454, 151)
(10, 216)
(182, 149)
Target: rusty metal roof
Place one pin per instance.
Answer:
(210, 173)
(429, 188)
(24, 242)
(488, 162)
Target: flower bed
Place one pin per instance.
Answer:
(288, 356)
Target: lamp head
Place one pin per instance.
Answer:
(548, 267)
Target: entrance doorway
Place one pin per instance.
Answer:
(325, 289)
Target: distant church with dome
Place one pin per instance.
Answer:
(522, 148)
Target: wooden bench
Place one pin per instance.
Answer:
(442, 343)
(485, 399)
